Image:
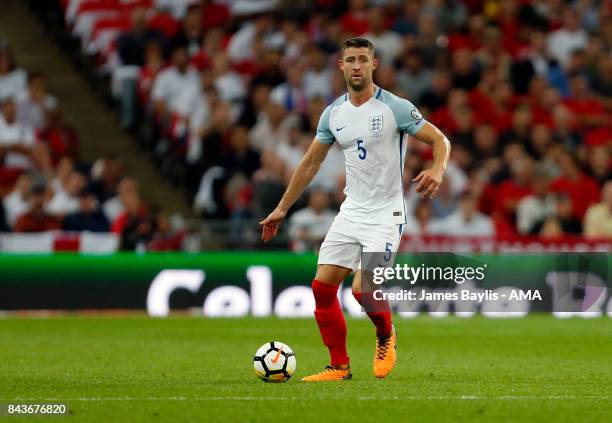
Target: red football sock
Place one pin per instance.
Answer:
(330, 319)
(381, 314)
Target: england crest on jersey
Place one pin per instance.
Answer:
(375, 124)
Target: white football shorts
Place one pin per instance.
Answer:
(347, 240)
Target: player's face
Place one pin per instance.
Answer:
(358, 65)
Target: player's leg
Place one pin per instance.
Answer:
(382, 243)
(378, 311)
(338, 257)
(331, 322)
(328, 312)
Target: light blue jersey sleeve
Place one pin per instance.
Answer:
(324, 134)
(407, 116)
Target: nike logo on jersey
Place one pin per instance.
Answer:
(340, 129)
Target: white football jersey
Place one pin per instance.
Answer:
(372, 139)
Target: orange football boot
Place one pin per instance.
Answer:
(385, 357)
(330, 373)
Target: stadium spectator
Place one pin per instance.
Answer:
(241, 45)
(308, 226)
(406, 22)
(598, 217)
(268, 183)
(65, 199)
(16, 140)
(153, 64)
(386, 77)
(521, 126)
(138, 231)
(486, 147)
(599, 163)
(466, 73)
(287, 38)
(467, 220)
(512, 191)
(37, 219)
(135, 47)
(563, 41)
(565, 128)
(421, 221)
(602, 79)
(241, 157)
(115, 206)
(13, 80)
(562, 221)
(131, 45)
(436, 95)
(172, 82)
(318, 76)
(447, 117)
(34, 104)
(588, 111)
(449, 14)
(88, 217)
(214, 14)
(212, 45)
(134, 210)
(445, 202)
(388, 43)
(514, 150)
(491, 54)
(581, 189)
(291, 94)
(272, 127)
(16, 202)
(63, 170)
(60, 137)
(105, 175)
(227, 82)
(191, 33)
(414, 78)
(355, 21)
(210, 141)
(533, 209)
(534, 60)
(540, 141)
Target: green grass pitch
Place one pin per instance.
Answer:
(196, 369)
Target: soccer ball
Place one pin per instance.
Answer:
(274, 362)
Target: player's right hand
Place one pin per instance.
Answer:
(271, 223)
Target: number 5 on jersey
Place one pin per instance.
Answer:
(362, 151)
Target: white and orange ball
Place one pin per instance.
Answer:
(274, 362)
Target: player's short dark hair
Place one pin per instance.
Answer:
(357, 42)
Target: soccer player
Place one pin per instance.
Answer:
(369, 124)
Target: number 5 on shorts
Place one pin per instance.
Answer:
(388, 251)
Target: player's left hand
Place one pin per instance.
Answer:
(429, 182)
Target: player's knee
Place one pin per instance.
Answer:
(325, 294)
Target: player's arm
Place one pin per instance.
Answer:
(429, 180)
(303, 174)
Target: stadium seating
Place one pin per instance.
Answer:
(521, 87)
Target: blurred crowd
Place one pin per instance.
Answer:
(44, 186)
(229, 93)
